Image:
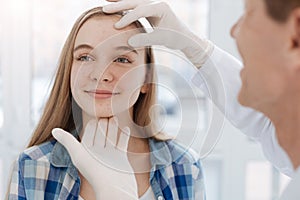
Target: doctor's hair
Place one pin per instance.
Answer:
(280, 10)
(60, 110)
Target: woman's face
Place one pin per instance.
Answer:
(107, 74)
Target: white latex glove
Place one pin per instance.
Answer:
(168, 31)
(292, 191)
(97, 158)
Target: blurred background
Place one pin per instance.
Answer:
(32, 33)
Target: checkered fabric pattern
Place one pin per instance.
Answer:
(175, 174)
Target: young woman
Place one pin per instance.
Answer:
(99, 77)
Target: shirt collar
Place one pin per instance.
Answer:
(60, 157)
(160, 153)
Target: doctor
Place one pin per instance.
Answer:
(268, 38)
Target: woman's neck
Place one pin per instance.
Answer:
(124, 119)
(137, 141)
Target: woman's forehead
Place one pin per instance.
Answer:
(101, 28)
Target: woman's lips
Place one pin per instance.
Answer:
(101, 94)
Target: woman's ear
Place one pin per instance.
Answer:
(144, 88)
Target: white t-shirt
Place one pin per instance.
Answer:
(292, 192)
(148, 195)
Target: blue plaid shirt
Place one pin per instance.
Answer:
(46, 172)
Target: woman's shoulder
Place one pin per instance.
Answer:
(179, 153)
(172, 156)
(182, 153)
(39, 152)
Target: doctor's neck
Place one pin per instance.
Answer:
(285, 116)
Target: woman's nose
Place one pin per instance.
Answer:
(101, 75)
(107, 76)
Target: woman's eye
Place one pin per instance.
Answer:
(122, 60)
(85, 58)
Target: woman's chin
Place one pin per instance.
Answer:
(104, 115)
(108, 113)
(100, 114)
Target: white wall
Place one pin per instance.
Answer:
(222, 15)
(15, 63)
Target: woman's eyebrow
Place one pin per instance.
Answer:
(119, 48)
(83, 46)
(127, 49)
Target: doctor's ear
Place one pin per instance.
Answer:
(293, 32)
(295, 27)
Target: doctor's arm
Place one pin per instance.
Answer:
(219, 79)
(218, 74)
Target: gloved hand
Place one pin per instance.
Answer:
(96, 156)
(168, 31)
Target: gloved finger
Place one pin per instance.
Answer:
(112, 131)
(66, 139)
(124, 139)
(100, 137)
(70, 143)
(142, 40)
(149, 11)
(122, 6)
(89, 133)
(147, 39)
(164, 37)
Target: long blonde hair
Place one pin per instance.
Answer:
(59, 110)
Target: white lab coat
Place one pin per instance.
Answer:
(292, 191)
(219, 79)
